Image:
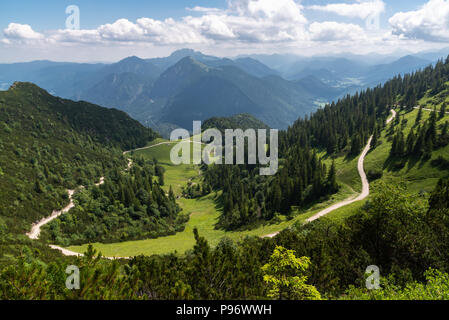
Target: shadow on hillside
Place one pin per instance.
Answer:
(218, 201)
(349, 157)
(395, 164)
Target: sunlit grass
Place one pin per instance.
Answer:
(204, 212)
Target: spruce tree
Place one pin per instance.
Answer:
(443, 110)
(332, 178)
(419, 116)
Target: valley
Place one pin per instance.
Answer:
(323, 174)
(377, 159)
(204, 212)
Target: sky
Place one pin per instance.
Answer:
(93, 31)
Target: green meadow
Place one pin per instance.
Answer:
(419, 177)
(204, 213)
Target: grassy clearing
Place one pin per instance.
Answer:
(204, 212)
(175, 176)
(430, 101)
(347, 173)
(419, 177)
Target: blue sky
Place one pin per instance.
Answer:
(110, 30)
(44, 14)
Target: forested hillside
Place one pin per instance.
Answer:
(207, 91)
(401, 228)
(128, 206)
(384, 233)
(49, 145)
(239, 121)
(340, 129)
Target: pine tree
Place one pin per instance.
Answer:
(161, 180)
(356, 145)
(401, 145)
(431, 134)
(332, 178)
(171, 194)
(38, 187)
(445, 129)
(286, 276)
(374, 141)
(419, 116)
(410, 142)
(419, 145)
(443, 110)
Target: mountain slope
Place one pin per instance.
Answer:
(178, 77)
(107, 126)
(209, 96)
(316, 87)
(242, 121)
(151, 90)
(48, 144)
(176, 56)
(381, 73)
(254, 67)
(133, 65)
(194, 91)
(116, 90)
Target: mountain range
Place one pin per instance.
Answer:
(350, 73)
(169, 92)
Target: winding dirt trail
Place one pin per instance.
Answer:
(36, 227)
(35, 230)
(365, 184)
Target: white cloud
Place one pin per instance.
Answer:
(333, 31)
(212, 26)
(361, 9)
(244, 26)
(74, 36)
(120, 30)
(243, 21)
(204, 9)
(169, 31)
(274, 11)
(430, 22)
(262, 21)
(16, 31)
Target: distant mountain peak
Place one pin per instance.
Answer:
(190, 61)
(184, 51)
(26, 86)
(132, 59)
(410, 58)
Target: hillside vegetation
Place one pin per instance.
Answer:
(48, 145)
(402, 228)
(239, 121)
